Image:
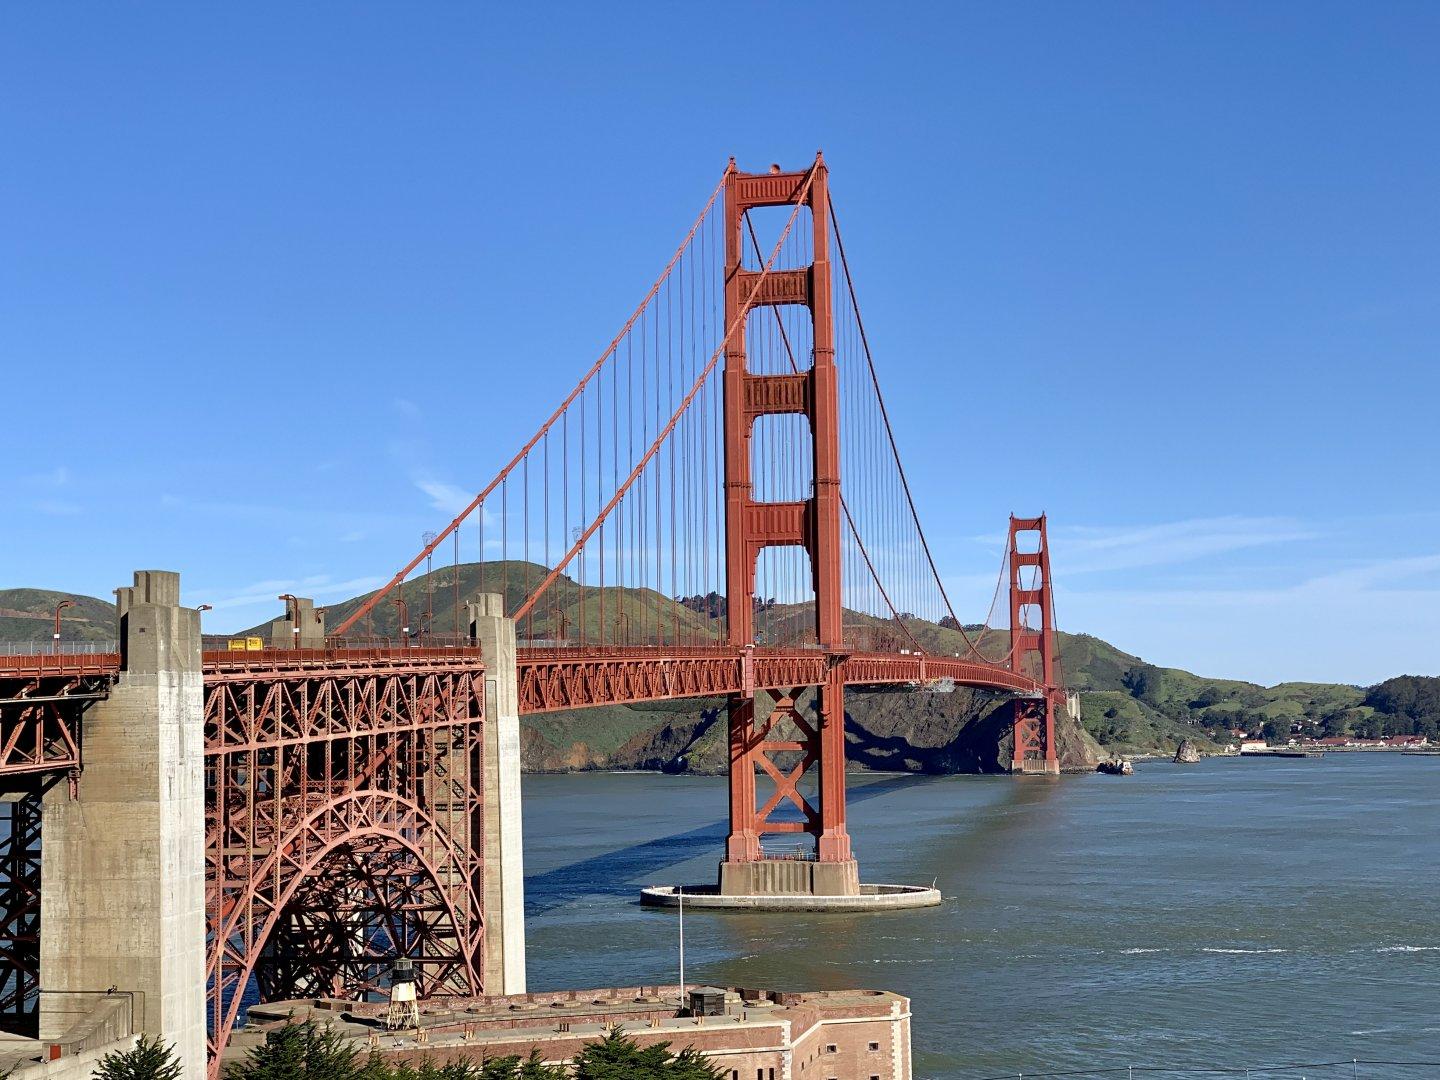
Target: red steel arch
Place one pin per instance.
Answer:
(343, 822)
(453, 963)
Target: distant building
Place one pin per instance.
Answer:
(1406, 740)
(1337, 740)
(747, 1033)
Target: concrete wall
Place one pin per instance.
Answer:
(504, 862)
(123, 863)
(79, 1066)
(300, 614)
(790, 877)
(91, 1020)
(862, 1047)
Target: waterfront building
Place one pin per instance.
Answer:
(750, 1034)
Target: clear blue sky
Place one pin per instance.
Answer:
(269, 273)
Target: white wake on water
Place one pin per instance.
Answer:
(1409, 948)
(1245, 952)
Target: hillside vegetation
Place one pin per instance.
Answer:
(28, 615)
(1128, 706)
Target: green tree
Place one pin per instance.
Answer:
(148, 1059)
(515, 1068)
(304, 1051)
(1276, 730)
(1208, 695)
(616, 1057)
(1406, 697)
(1145, 683)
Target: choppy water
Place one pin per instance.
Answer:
(1233, 912)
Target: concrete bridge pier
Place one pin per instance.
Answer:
(504, 864)
(123, 860)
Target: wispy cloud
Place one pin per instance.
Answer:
(1096, 549)
(50, 479)
(1360, 623)
(447, 498)
(317, 587)
(49, 487)
(1417, 573)
(58, 507)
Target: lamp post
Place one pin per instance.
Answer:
(61, 606)
(404, 621)
(292, 612)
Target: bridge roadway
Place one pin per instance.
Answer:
(47, 687)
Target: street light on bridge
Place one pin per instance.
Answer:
(292, 612)
(399, 602)
(61, 606)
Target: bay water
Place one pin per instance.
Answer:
(1233, 913)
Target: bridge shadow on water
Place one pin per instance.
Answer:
(615, 873)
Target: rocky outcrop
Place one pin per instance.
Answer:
(964, 731)
(1187, 753)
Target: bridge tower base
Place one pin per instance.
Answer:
(785, 745)
(123, 858)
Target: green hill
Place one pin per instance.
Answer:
(1128, 706)
(28, 616)
(436, 601)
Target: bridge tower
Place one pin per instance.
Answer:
(1033, 646)
(812, 524)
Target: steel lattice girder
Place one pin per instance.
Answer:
(571, 679)
(20, 905)
(1028, 730)
(549, 680)
(40, 719)
(801, 750)
(343, 826)
(375, 754)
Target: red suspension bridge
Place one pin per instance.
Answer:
(717, 509)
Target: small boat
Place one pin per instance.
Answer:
(1115, 767)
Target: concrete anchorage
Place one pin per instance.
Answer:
(504, 897)
(303, 626)
(123, 861)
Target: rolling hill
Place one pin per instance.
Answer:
(28, 615)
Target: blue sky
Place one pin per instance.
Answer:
(278, 281)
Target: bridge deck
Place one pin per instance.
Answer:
(39, 692)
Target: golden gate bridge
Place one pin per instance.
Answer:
(717, 509)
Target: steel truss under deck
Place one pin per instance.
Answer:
(343, 824)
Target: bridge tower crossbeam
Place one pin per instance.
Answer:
(1033, 647)
(812, 524)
